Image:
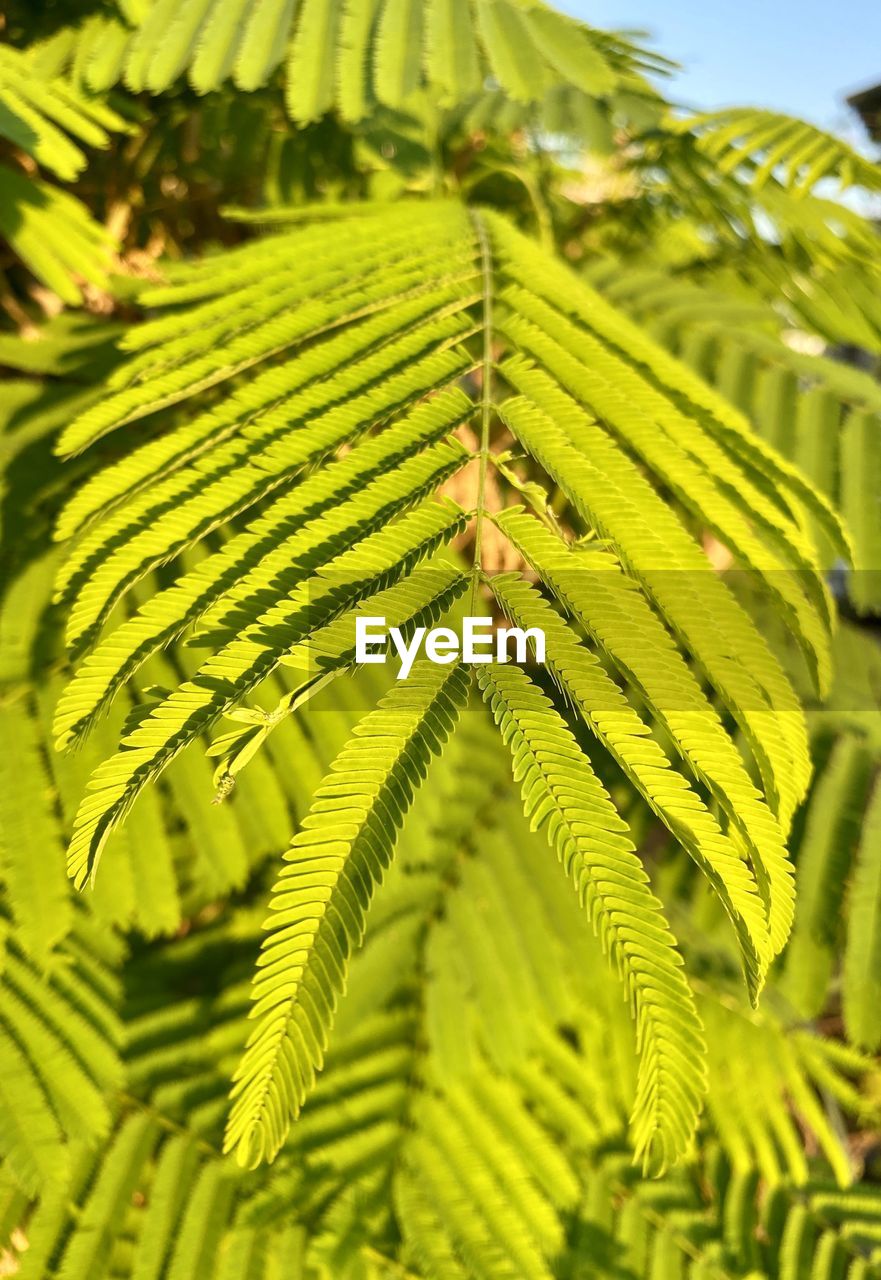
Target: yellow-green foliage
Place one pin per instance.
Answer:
(565, 966)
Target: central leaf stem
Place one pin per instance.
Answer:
(486, 397)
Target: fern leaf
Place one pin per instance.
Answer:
(600, 596)
(263, 42)
(30, 1137)
(862, 960)
(816, 446)
(60, 1063)
(320, 900)
(75, 1097)
(608, 713)
(156, 20)
(172, 1183)
(596, 377)
(153, 462)
(234, 489)
(292, 488)
(54, 235)
(560, 790)
(286, 566)
(612, 507)
(332, 44)
(192, 362)
(103, 48)
(354, 64)
(309, 545)
(426, 1236)
(216, 47)
(505, 38)
(203, 1222)
(117, 1180)
(310, 72)
(31, 839)
(224, 679)
(861, 462)
(170, 59)
(590, 311)
(736, 341)
(38, 114)
(452, 62)
(493, 1215)
(398, 61)
(571, 52)
(823, 864)
(769, 143)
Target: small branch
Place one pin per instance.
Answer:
(486, 396)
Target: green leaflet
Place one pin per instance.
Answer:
(862, 958)
(30, 1137)
(593, 588)
(737, 341)
(764, 142)
(217, 45)
(54, 235)
(384, 46)
(701, 474)
(506, 38)
(266, 400)
(52, 232)
(193, 363)
(282, 569)
(453, 64)
(320, 899)
(37, 115)
(627, 340)
(823, 864)
(234, 489)
(36, 894)
(310, 80)
(353, 62)
(224, 679)
(397, 64)
(112, 1191)
(571, 52)
(860, 467)
(685, 590)
(561, 792)
(263, 42)
(485, 1204)
(170, 59)
(59, 1037)
(626, 736)
(286, 534)
(558, 1094)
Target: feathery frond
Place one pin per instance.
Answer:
(358, 56)
(560, 791)
(319, 465)
(822, 414)
(769, 145)
(321, 897)
(59, 1058)
(41, 116)
(862, 960)
(51, 231)
(824, 861)
(376, 398)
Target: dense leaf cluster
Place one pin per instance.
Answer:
(510, 972)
